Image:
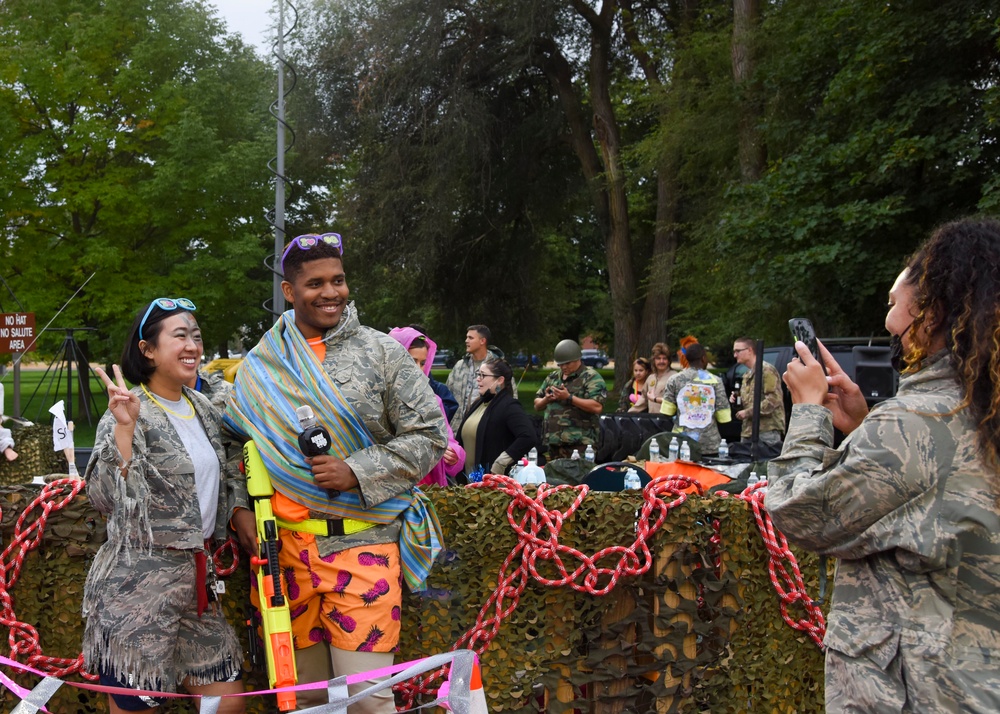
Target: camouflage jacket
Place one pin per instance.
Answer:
(570, 425)
(383, 385)
(462, 383)
(157, 502)
(772, 402)
(216, 388)
(906, 504)
(697, 401)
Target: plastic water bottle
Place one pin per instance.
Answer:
(724, 450)
(754, 478)
(654, 450)
(632, 480)
(674, 449)
(589, 454)
(515, 472)
(533, 456)
(576, 455)
(532, 475)
(685, 452)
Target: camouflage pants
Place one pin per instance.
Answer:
(918, 678)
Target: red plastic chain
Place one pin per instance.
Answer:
(538, 531)
(233, 547)
(787, 581)
(23, 638)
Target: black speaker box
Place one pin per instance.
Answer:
(873, 373)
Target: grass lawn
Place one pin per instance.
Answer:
(40, 391)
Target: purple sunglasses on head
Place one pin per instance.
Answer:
(311, 240)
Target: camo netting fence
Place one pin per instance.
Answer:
(700, 632)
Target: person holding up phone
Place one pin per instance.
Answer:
(909, 501)
(772, 400)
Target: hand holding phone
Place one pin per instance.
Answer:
(802, 329)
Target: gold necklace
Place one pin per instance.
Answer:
(158, 403)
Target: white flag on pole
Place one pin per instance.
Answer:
(62, 435)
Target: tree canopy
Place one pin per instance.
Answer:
(637, 170)
(136, 136)
(646, 169)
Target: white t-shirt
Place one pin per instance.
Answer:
(204, 458)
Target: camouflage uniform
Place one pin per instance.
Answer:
(708, 436)
(216, 388)
(462, 383)
(140, 588)
(380, 381)
(772, 406)
(569, 428)
(906, 504)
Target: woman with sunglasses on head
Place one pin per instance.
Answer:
(158, 473)
(496, 432)
(910, 501)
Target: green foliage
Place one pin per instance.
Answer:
(880, 123)
(137, 138)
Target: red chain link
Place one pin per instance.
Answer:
(234, 549)
(538, 531)
(787, 581)
(23, 638)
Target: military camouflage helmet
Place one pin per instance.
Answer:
(567, 351)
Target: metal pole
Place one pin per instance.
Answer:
(69, 375)
(278, 298)
(17, 385)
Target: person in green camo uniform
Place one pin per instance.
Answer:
(572, 398)
(909, 501)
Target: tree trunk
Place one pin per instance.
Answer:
(618, 240)
(752, 153)
(656, 307)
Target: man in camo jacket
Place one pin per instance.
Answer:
(345, 591)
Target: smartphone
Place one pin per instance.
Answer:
(802, 329)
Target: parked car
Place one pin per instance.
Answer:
(598, 359)
(444, 359)
(522, 359)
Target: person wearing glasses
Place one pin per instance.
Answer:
(495, 432)
(158, 472)
(353, 525)
(772, 399)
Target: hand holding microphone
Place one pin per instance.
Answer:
(314, 439)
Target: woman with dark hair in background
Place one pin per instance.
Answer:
(496, 432)
(159, 474)
(909, 502)
(633, 398)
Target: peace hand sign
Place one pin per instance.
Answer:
(121, 402)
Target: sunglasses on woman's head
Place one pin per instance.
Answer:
(311, 240)
(167, 305)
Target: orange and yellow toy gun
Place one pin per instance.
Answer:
(273, 602)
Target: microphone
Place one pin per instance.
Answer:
(314, 439)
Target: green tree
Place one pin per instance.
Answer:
(136, 138)
(880, 121)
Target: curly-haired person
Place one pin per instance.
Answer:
(909, 502)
